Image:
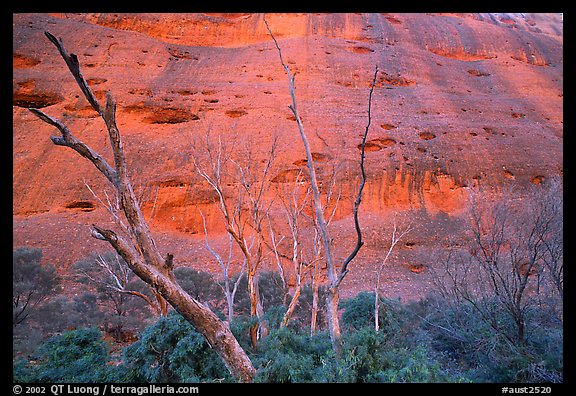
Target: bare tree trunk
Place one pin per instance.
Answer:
(316, 280)
(394, 240)
(314, 315)
(141, 254)
(225, 266)
(216, 332)
(377, 304)
(292, 305)
(260, 329)
(250, 194)
(335, 277)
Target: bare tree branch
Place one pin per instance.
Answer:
(112, 208)
(225, 266)
(141, 254)
(358, 200)
(310, 161)
(74, 67)
(334, 278)
(393, 242)
(69, 140)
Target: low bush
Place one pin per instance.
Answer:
(289, 357)
(433, 340)
(171, 350)
(475, 348)
(75, 356)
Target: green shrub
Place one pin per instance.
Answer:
(199, 284)
(381, 357)
(359, 313)
(75, 356)
(33, 284)
(22, 371)
(483, 354)
(171, 350)
(367, 356)
(401, 351)
(289, 357)
(274, 315)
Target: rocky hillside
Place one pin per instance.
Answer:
(460, 100)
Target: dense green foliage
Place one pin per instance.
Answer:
(411, 346)
(75, 356)
(200, 285)
(171, 350)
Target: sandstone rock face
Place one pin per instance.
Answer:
(460, 100)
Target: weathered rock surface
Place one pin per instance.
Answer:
(460, 100)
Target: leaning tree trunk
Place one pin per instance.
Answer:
(140, 252)
(216, 332)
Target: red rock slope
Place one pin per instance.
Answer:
(460, 100)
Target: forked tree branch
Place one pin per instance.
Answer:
(69, 140)
(141, 254)
(335, 282)
(72, 63)
(359, 242)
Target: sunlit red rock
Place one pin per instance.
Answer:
(460, 100)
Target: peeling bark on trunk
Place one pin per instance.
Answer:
(253, 309)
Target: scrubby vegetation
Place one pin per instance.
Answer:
(414, 344)
(496, 315)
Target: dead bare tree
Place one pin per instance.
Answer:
(139, 250)
(293, 205)
(244, 212)
(229, 290)
(335, 275)
(397, 235)
(110, 272)
(511, 239)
